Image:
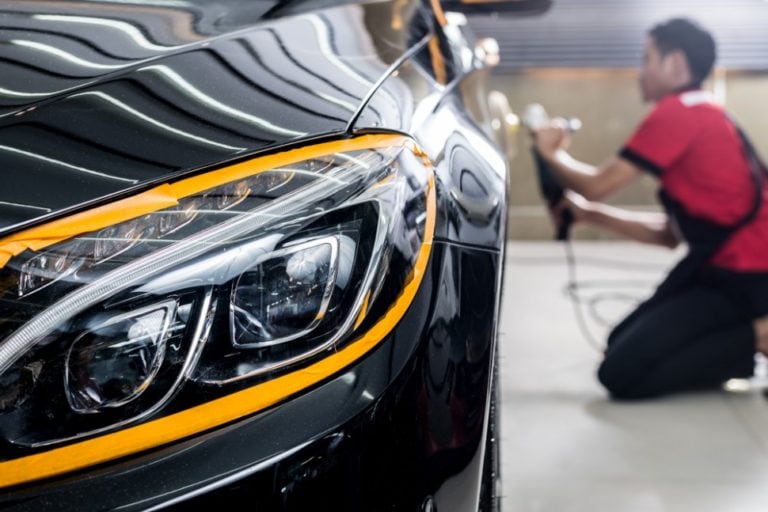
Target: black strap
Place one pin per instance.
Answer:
(757, 171)
(705, 237)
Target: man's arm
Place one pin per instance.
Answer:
(645, 227)
(588, 183)
(592, 182)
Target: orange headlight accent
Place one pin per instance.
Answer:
(243, 403)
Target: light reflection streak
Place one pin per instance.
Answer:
(325, 48)
(324, 38)
(119, 104)
(354, 160)
(327, 97)
(213, 103)
(314, 175)
(125, 27)
(19, 94)
(65, 164)
(74, 59)
(331, 99)
(29, 206)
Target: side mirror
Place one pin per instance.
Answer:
(501, 7)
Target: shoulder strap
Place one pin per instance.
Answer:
(712, 236)
(757, 171)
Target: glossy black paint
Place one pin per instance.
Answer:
(77, 124)
(471, 172)
(403, 429)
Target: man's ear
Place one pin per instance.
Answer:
(676, 64)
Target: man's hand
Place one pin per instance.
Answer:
(760, 326)
(571, 209)
(552, 137)
(580, 208)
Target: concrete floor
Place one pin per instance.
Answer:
(565, 446)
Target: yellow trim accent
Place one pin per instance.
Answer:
(363, 310)
(439, 13)
(237, 405)
(167, 195)
(438, 64)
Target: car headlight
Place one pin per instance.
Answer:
(198, 290)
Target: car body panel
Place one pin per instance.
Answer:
(403, 428)
(142, 121)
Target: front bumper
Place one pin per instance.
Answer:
(402, 428)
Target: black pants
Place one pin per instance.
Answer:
(696, 337)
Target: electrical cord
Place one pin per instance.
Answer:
(585, 295)
(574, 291)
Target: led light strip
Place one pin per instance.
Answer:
(246, 402)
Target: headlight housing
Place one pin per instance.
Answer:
(245, 275)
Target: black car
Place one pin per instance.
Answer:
(250, 252)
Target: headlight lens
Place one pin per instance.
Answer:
(283, 297)
(242, 280)
(112, 363)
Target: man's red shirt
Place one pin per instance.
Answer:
(688, 141)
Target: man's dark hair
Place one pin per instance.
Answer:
(692, 39)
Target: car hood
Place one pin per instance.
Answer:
(100, 99)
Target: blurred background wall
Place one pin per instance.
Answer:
(581, 59)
